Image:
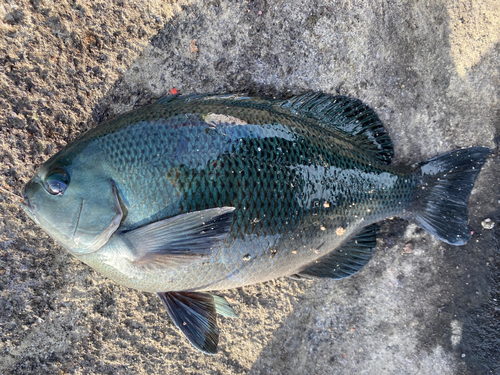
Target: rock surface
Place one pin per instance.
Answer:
(430, 69)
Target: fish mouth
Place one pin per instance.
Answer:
(29, 208)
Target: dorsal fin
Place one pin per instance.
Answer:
(166, 99)
(348, 115)
(210, 96)
(346, 260)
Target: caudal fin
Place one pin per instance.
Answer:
(446, 183)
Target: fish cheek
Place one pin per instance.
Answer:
(100, 216)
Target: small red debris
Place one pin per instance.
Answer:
(193, 47)
(173, 91)
(260, 13)
(408, 248)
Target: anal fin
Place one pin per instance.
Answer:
(346, 260)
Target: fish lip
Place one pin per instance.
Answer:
(29, 208)
(26, 200)
(25, 203)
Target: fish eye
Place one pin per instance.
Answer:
(56, 182)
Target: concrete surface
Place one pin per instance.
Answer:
(429, 68)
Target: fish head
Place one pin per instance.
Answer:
(74, 202)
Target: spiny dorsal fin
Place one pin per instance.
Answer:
(346, 260)
(209, 97)
(167, 99)
(348, 115)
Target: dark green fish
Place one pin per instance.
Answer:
(208, 192)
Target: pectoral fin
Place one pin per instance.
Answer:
(195, 314)
(346, 260)
(180, 240)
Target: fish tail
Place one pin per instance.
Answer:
(446, 182)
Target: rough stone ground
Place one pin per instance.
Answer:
(429, 68)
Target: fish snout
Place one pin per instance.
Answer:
(26, 201)
(28, 206)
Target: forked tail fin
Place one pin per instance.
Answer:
(441, 200)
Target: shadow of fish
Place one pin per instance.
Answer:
(207, 192)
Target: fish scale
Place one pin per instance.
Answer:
(209, 192)
(242, 180)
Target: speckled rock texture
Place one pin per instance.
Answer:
(431, 70)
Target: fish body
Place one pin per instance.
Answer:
(210, 192)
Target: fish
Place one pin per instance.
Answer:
(201, 193)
